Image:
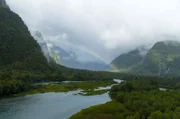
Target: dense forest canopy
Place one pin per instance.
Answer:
(136, 99)
(18, 49)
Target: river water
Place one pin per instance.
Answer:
(48, 105)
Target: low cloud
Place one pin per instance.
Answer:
(107, 27)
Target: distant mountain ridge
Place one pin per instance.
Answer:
(162, 59)
(69, 59)
(63, 57)
(127, 61)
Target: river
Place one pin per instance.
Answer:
(48, 105)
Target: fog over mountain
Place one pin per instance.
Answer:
(103, 29)
(3, 4)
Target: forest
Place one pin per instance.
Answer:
(22, 62)
(136, 99)
(17, 81)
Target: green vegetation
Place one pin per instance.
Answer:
(23, 63)
(61, 74)
(105, 111)
(161, 60)
(136, 99)
(55, 57)
(9, 87)
(88, 86)
(163, 82)
(126, 61)
(92, 92)
(18, 49)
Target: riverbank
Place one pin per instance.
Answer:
(48, 105)
(93, 92)
(136, 99)
(88, 87)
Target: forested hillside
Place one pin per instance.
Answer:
(20, 54)
(162, 59)
(22, 61)
(18, 49)
(127, 61)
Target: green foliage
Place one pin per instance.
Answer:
(126, 61)
(110, 110)
(92, 92)
(21, 54)
(21, 57)
(18, 49)
(65, 87)
(60, 74)
(8, 87)
(162, 59)
(136, 99)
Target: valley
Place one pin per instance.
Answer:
(88, 87)
(63, 96)
(83, 68)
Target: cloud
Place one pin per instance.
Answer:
(107, 27)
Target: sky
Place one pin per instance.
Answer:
(101, 28)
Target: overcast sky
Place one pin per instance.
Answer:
(107, 27)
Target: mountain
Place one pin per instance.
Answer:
(44, 48)
(162, 59)
(3, 4)
(70, 59)
(127, 61)
(66, 58)
(18, 48)
(22, 61)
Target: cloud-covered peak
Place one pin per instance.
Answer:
(105, 27)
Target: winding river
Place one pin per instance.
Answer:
(48, 105)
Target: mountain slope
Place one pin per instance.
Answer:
(39, 38)
(70, 59)
(161, 59)
(18, 49)
(128, 60)
(60, 56)
(3, 4)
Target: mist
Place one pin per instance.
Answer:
(106, 27)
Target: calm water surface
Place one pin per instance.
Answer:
(48, 105)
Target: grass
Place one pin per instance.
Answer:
(92, 92)
(65, 87)
(103, 111)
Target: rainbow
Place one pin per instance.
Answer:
(93, 53)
